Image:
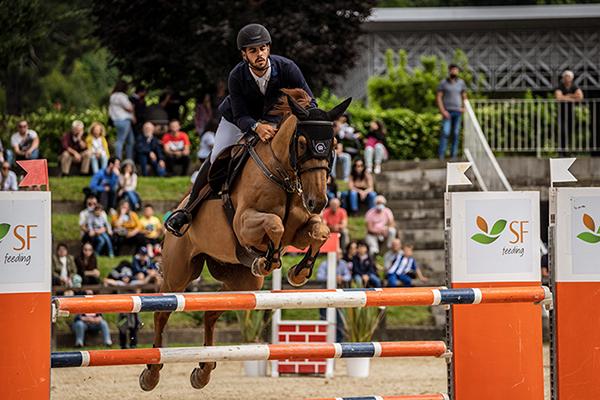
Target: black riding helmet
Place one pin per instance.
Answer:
(253, 35)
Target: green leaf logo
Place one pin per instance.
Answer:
(488, 236)
(593, 236)
(3, 230)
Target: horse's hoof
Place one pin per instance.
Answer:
(149, 379)
(297, 280)
(260, 267)
(201, 376)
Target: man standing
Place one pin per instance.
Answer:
(450, 98)
(566, 94)
(74, 149)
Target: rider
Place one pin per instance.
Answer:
(254, 88)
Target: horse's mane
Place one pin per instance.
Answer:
(282, 108)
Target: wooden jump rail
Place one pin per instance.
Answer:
(296, 299)
(95, 358)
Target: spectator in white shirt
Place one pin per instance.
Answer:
(120, 111)
(25, 142)
(8, 179)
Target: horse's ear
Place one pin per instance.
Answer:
(339, 110)
(297, 109)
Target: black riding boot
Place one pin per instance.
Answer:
(184, 216)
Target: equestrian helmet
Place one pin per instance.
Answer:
(253, 35)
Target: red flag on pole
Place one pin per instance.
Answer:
(36, 173)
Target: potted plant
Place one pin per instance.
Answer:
(252, 327)
(360, 325)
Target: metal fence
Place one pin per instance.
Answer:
(540, 126)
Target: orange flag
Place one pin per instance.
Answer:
(36, 173)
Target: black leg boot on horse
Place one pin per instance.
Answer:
(182, 217)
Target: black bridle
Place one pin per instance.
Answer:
(319, 137)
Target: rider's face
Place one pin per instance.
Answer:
(257, 56)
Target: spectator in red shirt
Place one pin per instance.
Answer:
(74, 150)
(176, 145)
(381, 226)
(336, 219)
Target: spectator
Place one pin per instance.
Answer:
(176, 146)
(90, 204)
(332, 189)
(404, 269)
(91, 322)
(25, 142)
(127, 228)
(142, 266)
(350, 251)
(375, 146)
(152, 228)
(450, 98)
(566, 94)
(336, 219)
(121, 275)
(343, 271)
(360, 188)
(129, 324)
(364, 270)
(394, 251)
(98, 146)
(203, 114)
(149, 151)
(8, 179)
(347, 135)
(128, 185)
(138, 100)
(345, 161)
(2, 159)
(99, 231)
(207, 140)
(64, 270)
(121, 111)
(381, 226)
(105, 183)
(74, 149)
(87, 265)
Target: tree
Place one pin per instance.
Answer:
(189, 45)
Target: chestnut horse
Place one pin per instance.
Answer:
(276, 200)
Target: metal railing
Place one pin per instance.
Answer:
(540, 126)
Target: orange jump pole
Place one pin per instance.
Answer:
(438, 396)
(493, 242)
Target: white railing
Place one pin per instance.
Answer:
(488, 173)
(540, 126)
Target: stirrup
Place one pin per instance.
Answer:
(175, 232)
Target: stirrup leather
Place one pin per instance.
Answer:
(188, 216)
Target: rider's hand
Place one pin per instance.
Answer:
(265, 132)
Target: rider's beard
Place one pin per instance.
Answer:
(254, 65)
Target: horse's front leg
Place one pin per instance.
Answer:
(253, 227)
(312, 234)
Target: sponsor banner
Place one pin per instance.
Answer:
(25, 242)
(576, 216)
(494, 236)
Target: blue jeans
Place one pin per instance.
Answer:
(124, 138)
(374, 280)
(376, 154)
(133, 198)
(98, 163)
(398, 280)
(345, 160)
(80, 327)
(101, 241)
(144, 160)
(351, 199)
(450, 126)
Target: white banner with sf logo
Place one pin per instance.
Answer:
(494, 236)
(25, 242)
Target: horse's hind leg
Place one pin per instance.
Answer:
(201, 375)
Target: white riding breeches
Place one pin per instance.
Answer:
(227, 135)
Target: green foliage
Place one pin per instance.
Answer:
(253, 324)
(361, 323)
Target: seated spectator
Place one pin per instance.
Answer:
(128, 185)
(350, 251)
(207, 140)
(403, 269)
(332, 189)
(64, 270)
(87, 265)
(360, 188)
(364, 270)
(336, 219)
(395, 250)
(129, 325)
(142, 266)
(127, 228)
(381, 226)
(90, 204)
(121, 275)
(176, 146)
(98, 147)
(152, 228)
(91, 322)
(105, 183)
(99, 231)
(345, 161)
(375, 146)
(347, 135)
(8, 179)
(343, 271)
(25, 142)
(2, 159)
(149, 151)
(74, 150)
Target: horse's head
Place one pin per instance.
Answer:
(311, 150)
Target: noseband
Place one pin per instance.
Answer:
(319, 139)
